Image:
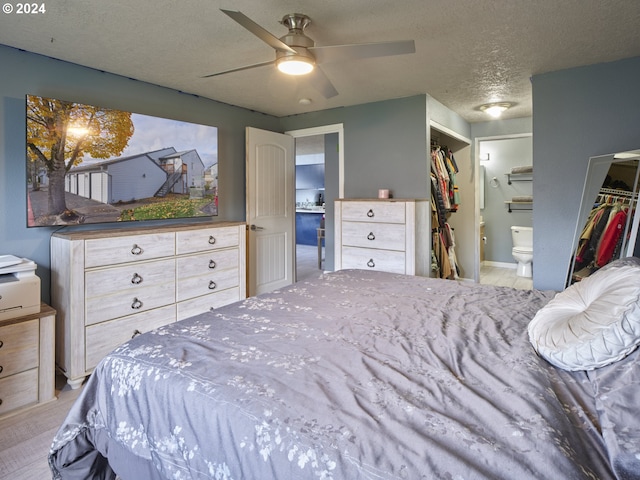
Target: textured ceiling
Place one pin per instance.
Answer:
(468, 52)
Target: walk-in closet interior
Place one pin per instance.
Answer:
(453, 203)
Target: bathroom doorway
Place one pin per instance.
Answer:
(496, 158)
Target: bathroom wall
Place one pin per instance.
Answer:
(504, 153)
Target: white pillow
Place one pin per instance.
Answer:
(592, 323)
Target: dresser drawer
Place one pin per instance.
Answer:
(19, 347)
(371, 259)
(387, 212)
(139, 299)
(206, 263)
(130, 248)
(388, 236)
(200, 240)
(205, 303)
(204, 284)
(103, 338)
(18, 390)
(128, 279)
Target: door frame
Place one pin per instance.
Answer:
(476, 155)
(324, 130)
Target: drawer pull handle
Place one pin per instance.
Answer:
(212, 264)
(136, 332)
(370, 213)
(212, 239)
(137, 304)
(371, 236)
(371, 263)
(1, 368)
(136, 279)
(136, 250)
(1, 343)
(212, 285)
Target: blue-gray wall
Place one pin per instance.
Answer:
(385, 145)
(24, 73)
(577, 114)
(332, 176)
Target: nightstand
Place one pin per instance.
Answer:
(27, 360)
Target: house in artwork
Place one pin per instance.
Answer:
(145, 175)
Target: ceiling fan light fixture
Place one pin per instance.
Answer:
(495, 109)
(295, 65)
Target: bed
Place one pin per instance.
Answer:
(366, 375)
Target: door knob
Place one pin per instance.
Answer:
(255, 227)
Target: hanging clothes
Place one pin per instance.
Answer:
(452, 168)
(602, 236)
(439, 170)
(445, 198)
(438, 201)
(611, 237)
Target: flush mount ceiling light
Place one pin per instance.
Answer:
(495, 109)
(295, 64)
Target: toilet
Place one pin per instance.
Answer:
(522, 250)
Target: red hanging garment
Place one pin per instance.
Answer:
(610, 238)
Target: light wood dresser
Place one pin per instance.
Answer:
(27, 370)
(110, 285)
(390, 235)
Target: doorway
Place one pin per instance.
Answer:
(310, 205)
(498, 189)
(310, 143)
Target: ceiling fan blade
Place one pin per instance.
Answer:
(321, 82)
(258, 31)
(341, 53)
(239, 69)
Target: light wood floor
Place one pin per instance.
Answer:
(25, 438)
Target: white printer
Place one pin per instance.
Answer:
(19, 287)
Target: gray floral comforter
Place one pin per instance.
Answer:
(355, 375)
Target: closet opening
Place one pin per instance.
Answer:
(452, 223)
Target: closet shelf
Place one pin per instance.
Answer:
(511, 204)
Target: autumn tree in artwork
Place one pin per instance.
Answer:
(60, 134)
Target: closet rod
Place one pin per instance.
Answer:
(619, 193)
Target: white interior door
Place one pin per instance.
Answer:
(270, 210)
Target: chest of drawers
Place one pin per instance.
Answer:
(109, 285)
(27, 374)
(387, 235)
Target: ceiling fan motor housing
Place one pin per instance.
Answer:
(296, 39)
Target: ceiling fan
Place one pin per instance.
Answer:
(296, 53)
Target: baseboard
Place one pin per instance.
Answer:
(488, 263)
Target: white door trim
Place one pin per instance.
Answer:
(323, 130)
